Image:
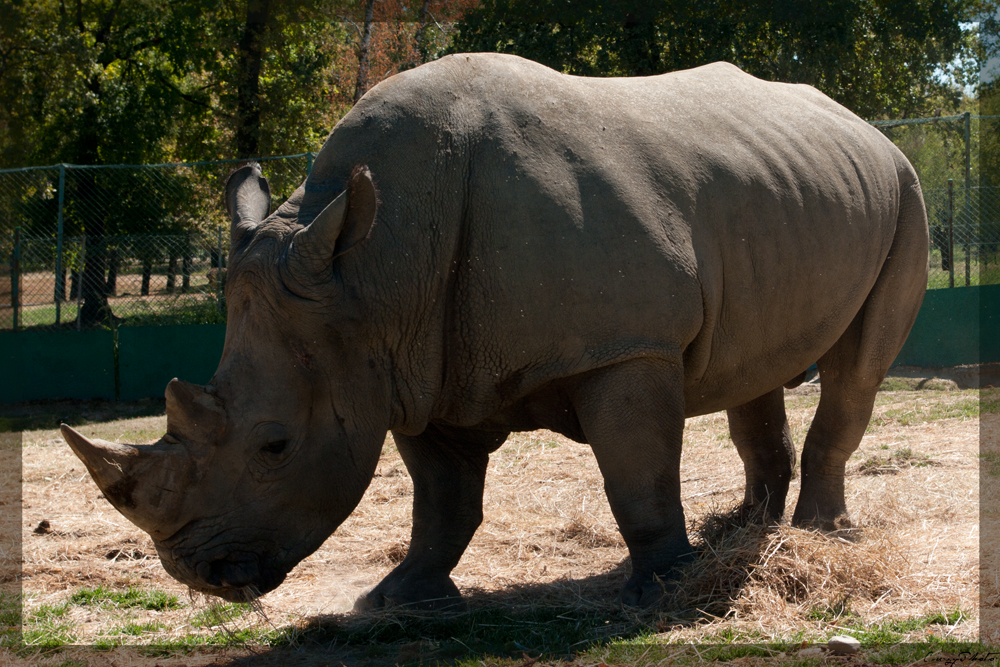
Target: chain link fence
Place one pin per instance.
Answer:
(121, 245)
(965, 236)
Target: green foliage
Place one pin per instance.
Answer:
(139, 81)
(877, 57)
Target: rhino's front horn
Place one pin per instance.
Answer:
(248, 201)
(344, 223)
(145, 483)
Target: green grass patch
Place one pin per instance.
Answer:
(47, 612)
(993, 461)
(898, 460)
(187, 643)
(989, 401)
(131, 598)
(219, 614)
(47, 627)
(10, 619)
(927, 409)
(157, 313)
(126, 634)
(193, 308)
(830, 612)
(916, 384)
(875, 635)
(133, 629)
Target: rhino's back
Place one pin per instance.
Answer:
(704, 212)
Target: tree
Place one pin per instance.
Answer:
(877, 57)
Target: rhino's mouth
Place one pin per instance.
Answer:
(234, 577)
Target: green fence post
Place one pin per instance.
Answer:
(218, 276)
(951, 233)
(15, 279)
(310, 156)
(967, 237)
(60, 284)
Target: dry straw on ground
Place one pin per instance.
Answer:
(549, 538)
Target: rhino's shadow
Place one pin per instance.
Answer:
(560, 618)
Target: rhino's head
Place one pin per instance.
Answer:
(257, 469)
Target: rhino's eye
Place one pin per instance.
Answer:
(276, 447)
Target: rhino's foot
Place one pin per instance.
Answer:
(432, 594)
(764, 514)
(821, 505)
(648, 589)
(828, 523)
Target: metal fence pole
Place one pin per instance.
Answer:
(310, 156)
(968, 142)
(15, 278)
(951, 233)
(218, 276)
(79, 280)
(60, 284)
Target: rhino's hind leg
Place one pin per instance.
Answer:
(448, 468)
(760, 432)
(853, 369)
(632, 415)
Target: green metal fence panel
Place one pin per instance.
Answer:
(149, 357)
(947, 330)
(989, 324)
(56, 364)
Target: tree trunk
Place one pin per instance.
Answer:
(114, 263)
(95, 290)
(643, 57)
(88, 198)
(61, 282)
(171, 274)
(74, 285)
(250, 58)
(147, 270)
(361, 87)
(422, 31)
(186, 266)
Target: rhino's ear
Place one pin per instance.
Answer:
(338, 228)
(248, 201)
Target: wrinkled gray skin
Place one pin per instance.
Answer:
(598, 257)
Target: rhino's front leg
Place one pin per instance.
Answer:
(632, 414)
(448, 468)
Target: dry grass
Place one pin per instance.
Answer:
(549, 539)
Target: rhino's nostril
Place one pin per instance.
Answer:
(204, 572)
(239, 574)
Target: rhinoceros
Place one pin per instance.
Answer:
(485, 245)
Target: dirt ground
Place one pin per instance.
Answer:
(913, 490)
